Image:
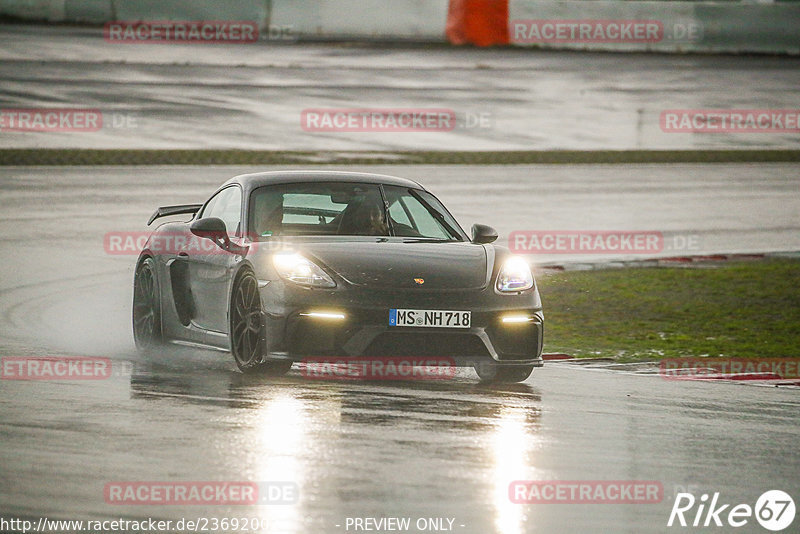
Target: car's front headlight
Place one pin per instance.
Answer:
(295, 268)
(514, 276)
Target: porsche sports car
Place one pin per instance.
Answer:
(276, 267)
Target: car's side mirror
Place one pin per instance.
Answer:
(212, 228)
(483, 234)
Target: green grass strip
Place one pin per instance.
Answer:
(743, 309)
(50, 156)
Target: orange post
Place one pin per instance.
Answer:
(478, 22)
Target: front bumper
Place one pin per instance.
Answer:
(353, 321)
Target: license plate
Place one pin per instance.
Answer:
(430, 318)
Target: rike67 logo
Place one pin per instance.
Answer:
(774, 510)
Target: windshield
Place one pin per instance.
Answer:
(348, 209)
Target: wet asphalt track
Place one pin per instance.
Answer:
(409, 449)
(253, 96)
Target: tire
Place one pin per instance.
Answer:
(146, 312)
(247, 329)
(492, 372)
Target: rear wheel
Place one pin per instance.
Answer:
(146, 309)
(492, 372)
(247, 326)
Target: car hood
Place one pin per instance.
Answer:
(389, 264)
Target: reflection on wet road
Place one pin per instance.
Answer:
(377, 449)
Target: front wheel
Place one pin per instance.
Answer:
(492, 372)
(247, 327)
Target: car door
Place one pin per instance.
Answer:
(210, 267)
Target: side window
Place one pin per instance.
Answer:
(227, 205)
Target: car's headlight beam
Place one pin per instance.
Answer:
(514, 276)
(302, 271)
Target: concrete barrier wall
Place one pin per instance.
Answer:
(250, 10)
(750, 28)
(95, 11)
(341, 19)
(52, 10)
(330, 19)
(689, 26)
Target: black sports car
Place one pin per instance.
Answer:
(277, 267)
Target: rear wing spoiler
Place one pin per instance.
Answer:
(166, 211)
